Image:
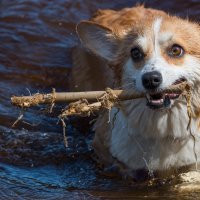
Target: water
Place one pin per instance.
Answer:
(35, 55)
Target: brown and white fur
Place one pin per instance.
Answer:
(141, 138)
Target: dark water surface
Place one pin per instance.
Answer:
(36, 39)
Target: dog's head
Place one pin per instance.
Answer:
(150, 56)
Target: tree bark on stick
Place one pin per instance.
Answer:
(91, 96)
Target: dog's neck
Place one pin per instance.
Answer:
(160, 124)
(159, 140)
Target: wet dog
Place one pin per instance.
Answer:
(145, 50)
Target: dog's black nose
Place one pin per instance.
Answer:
(151, 80)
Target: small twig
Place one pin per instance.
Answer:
(188, 101)
(33, 125)
(115, 117)
(53, 100)
(29, 91)
(18, 119)
(64, 132)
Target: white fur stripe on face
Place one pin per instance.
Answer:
(156, 29)
(143, 42)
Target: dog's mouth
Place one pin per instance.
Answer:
(157, 100)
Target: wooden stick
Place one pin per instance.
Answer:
(54, 97)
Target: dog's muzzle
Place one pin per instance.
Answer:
(161, 99)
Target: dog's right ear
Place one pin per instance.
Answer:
(99, 39)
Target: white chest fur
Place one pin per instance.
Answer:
(156, 140)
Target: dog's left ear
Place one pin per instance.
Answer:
(99, 39)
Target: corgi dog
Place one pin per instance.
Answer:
(144, 50)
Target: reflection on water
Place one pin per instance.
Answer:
(38, 183)
(35, 55)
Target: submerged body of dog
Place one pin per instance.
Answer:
(145, 50)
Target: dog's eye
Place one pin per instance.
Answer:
(137, 54)
(176, 51)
